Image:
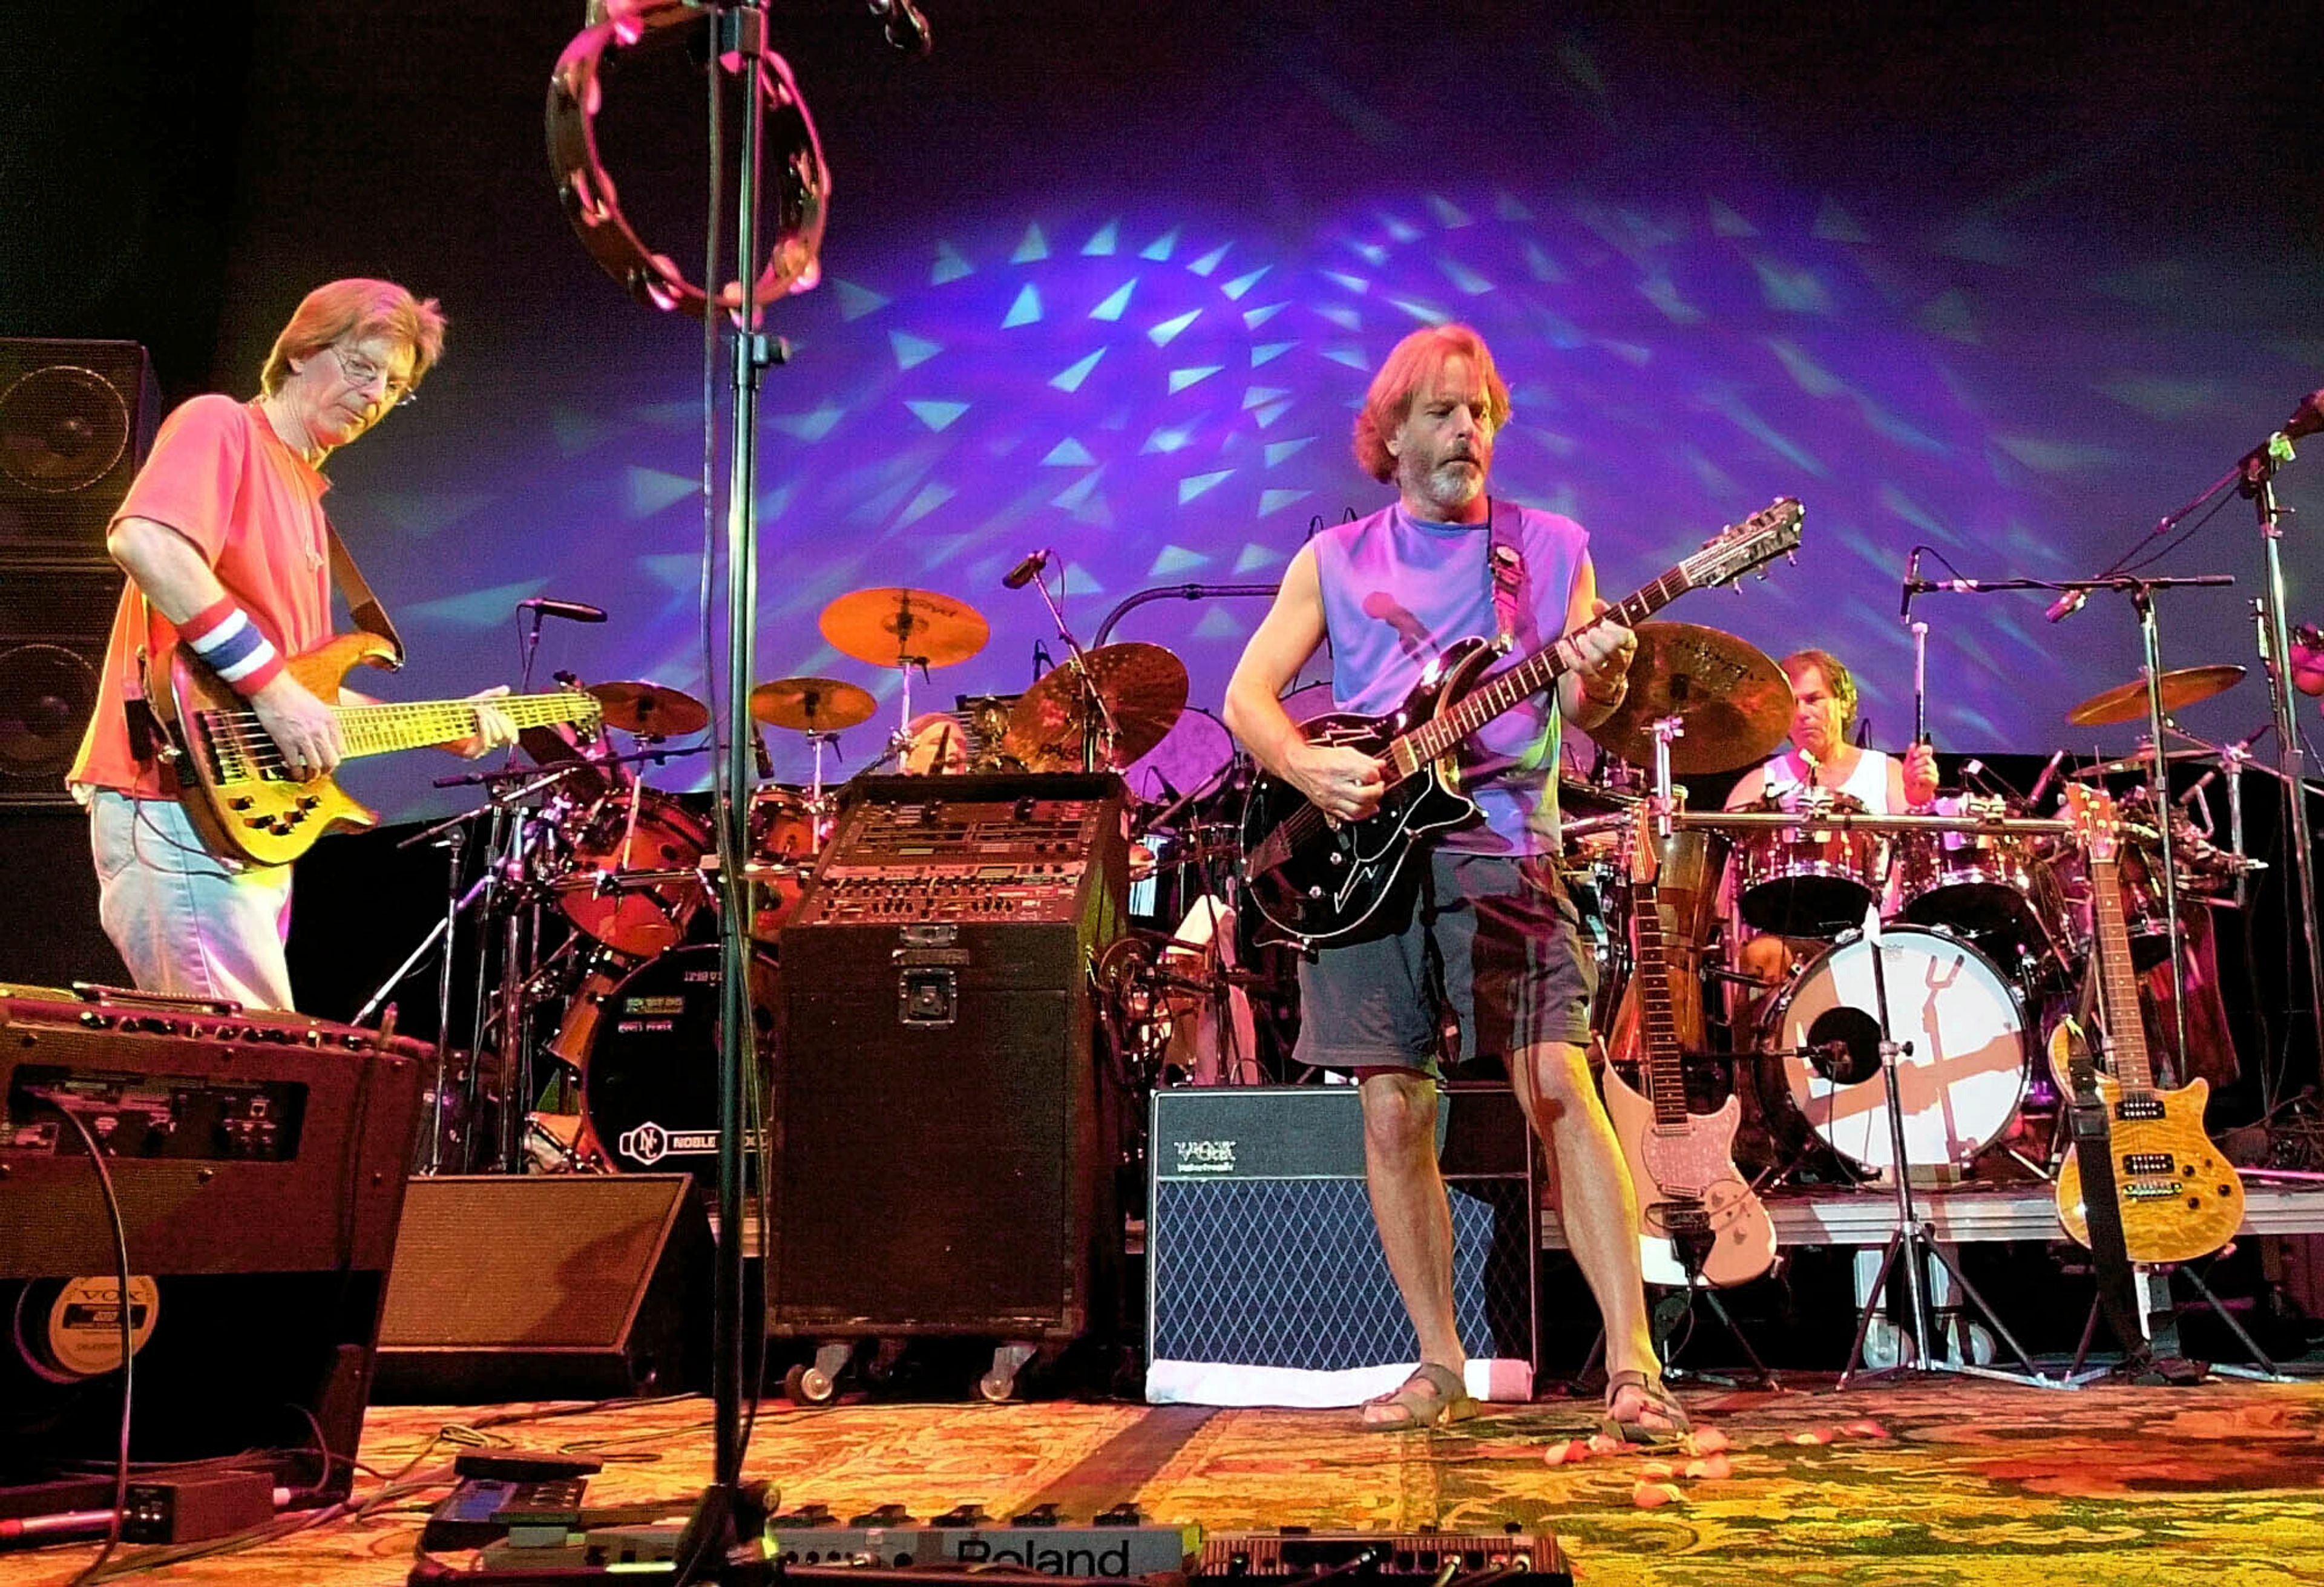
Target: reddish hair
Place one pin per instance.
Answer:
(1836, 678)
(1410, 365)
(361, 308)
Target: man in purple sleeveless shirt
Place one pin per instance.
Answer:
(1489, 936)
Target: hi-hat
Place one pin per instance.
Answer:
(1733, 702)
(649, 709)
(892, 627)
(1144, 688)
(2127, 702)
(811, 705)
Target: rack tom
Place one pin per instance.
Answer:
(1811, 879)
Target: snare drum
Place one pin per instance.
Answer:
(1987, 886)
(650, 1095)
(640, 922)
(1961, 1084)
(1810, 880)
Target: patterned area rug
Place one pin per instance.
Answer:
(1951, 1483)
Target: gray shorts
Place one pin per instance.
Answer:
(1513, 973)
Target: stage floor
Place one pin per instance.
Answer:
(1973, 1482)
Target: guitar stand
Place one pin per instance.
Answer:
(2163, 1363)
(1913, 1240)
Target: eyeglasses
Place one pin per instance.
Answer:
(362, 371)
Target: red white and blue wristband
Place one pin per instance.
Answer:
(224, 636)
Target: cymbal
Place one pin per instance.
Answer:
(2139, 760)
(1734, 702)
(811, 705)
(1143, 687)
(2127, 702)
(649, 709)
(890, 627)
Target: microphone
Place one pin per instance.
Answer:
(906, 28)
(1912, 584)
(2042, 783)
(2066, 605)
(572, 611)
(2307, 418)
(1021, 575)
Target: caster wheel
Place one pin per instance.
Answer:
(996, 1388)
(805, 1385)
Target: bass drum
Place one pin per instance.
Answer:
(1961, 1084)
(650, 1088)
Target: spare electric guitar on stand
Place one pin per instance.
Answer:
(2179, 1198)
(1314, 880)
(231, 779)
(1699, 1222)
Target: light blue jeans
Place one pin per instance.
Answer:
(185, 921)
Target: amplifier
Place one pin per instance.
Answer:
(1265, 1280)
(944, 1145)
(258, 1158)
(1013, 847)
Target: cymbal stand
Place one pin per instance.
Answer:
(1100, 731)
(1913, 1240)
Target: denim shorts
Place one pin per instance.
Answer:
(1491, 941)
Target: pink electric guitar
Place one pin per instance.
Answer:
(1696, 1215)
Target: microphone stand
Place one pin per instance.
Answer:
(2257, 477)
(1098, 726)
(2142, 596)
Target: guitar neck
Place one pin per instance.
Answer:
(1662, 1066)
(1512, 686)
(2118, 1012)
(379, 730)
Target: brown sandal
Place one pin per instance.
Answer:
(1660, 1404)
(1432, 1397)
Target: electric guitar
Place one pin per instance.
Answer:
(231, 779)
(1314, 880)
(1699, 1222)
(2179, 1198)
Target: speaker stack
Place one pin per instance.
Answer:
(76, 421)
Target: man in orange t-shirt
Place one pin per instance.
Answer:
(224, 538)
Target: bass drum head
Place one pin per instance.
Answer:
(1959, 1086)
(650, 1090)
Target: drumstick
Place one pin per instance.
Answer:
(1920, 682)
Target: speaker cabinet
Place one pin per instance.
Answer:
(537, 1287)
(1266, 1284)
(257, 1160)
(76, 421)
(940, 1170)
(55, 617)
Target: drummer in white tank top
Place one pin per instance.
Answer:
(1823, 710)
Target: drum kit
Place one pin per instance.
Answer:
(1981, 911)
(604, 887)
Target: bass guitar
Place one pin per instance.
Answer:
(2179, 1198)
(1699, 1222)
(231, 779)
(1314, 880)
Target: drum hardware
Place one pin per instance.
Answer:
(1912, 1239)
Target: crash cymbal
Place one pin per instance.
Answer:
(811, 705)
(1734, 702)
(650, 710)
(890, 627)
(2127, 702)
(1143, 687)
(2139, 760)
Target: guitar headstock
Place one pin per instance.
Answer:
(1640, 857)
(2095, 821)
(1771, 532)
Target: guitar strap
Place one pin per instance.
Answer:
(1507, 565)
(2117, 1290)
(362, 606)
